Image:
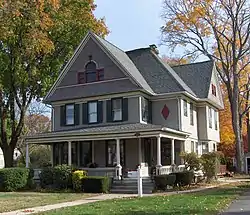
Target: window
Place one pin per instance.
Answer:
(191, 114)
(185, 107)
(92, 112)
(193, 146)
(216, 120)
(70, 112)
(117, 109)
(204, 147)
(197, 147)
(144, 109)
(210, 116)
(213, 89)
(85, 153)
(111, 153)
(91, 73)
(214, 147)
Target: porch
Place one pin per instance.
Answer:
(116, 154)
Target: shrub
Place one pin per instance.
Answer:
(31, 183)
(191, 160)
(46, 177)
(183, 178)
(77, 177)
(62, 177)
(210, 164)
(13, 179)
(96, 184)
(161, 181)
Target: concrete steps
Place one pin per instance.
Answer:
(129, 186)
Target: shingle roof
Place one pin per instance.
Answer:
(125, 61)
(197, 76)
(160, 76)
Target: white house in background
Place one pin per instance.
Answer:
(123, 109)
(1, 159)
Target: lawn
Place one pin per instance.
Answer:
(15, 200)
(208, 202)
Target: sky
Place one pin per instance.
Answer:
(132, 23)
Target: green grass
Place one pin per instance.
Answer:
(21, 200)
(208, 202)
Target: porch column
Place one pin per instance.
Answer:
(27, 156)
(69, 154)
(78, 148)
(52, 154)
(139, 151)
(93, 151)
(172, 152)
(118, 160)
(159, 151)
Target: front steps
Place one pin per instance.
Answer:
(129, 186)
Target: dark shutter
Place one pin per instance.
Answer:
(109, 111)
(99, 112)
(77, 114)
(85, 113)
(125, 109)
(62, 115)
(150, 111)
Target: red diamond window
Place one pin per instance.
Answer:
(165, 112)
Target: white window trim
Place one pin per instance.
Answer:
(185, 104)
(140, 107)
(116, 110)
(66, 115)
(210, 117)
(90, 112)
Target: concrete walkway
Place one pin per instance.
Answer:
(241, 206)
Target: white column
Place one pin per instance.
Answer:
(118, 160)
(158, 151)
(139, 151)
(78, 148)
(69, 154)
(27, 155)
(172, 152)
(93, 151)
(52, 154)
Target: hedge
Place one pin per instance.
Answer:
(14, 179)
(77, 177)
(162, 181)
(94, 184)
(46, 177)
(183, 178)
(62, 177)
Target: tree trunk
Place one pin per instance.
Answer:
(8, 153)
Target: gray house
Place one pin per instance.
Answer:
(115, 110)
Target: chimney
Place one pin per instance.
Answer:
(153, 47)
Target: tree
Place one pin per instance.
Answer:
(220, 30)
(37, 38)
(176, 61)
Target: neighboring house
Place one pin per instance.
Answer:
(1, 159)
(119, 109)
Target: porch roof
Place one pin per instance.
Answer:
(121, 131)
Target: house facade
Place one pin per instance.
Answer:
(115, 110)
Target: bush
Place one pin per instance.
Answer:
(13, 179)
(191, 160)
(46, 177)
(96, 184)
(77, 177)
(161, 181)
(62, 177)
(31, 183)
(210, 164)
(183, 178)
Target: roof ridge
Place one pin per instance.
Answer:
(132, 50)
(186, 64)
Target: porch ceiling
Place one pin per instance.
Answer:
(121, 131)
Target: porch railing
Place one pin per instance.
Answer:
(106, 171)
(165, 170)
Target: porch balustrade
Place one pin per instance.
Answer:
(165, 170)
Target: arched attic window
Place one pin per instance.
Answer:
(91, 73)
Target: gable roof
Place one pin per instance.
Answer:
(159, 75)
(197, 76)
(118, 56)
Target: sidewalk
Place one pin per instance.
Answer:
(107, 197)
(240, 206)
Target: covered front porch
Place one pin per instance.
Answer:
(116, 153)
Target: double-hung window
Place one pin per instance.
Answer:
(69, 114)
(92, 112)
(117, 109)
(185, 107)
(191, 114)
(210, 116)
(216, 120)
(144, 109)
